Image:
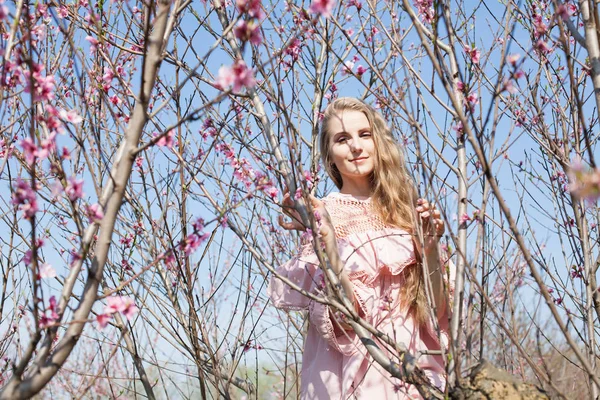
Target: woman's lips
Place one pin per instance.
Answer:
(359, 159)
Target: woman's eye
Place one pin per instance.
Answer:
(365, 134)
(342, 139)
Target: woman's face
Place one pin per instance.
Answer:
(352, 149)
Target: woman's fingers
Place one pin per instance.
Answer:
(294, 225)
(431, 218)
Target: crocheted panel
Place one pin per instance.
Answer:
(350, 215)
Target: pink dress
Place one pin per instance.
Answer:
(335, 365)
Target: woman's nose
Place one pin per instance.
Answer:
(355, 145)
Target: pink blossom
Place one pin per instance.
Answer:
(474, 54)
(360, 70)
(126, 240)
(464, 219)
(472, 99)
(63, 12)
(540, 27)
(75, 257)
(30, 150)
(248, 31)
(65, 154)
(322, 7)
(356, 4)
(166, 140)
(252, 7)
(93, 44)
(192, 242)
(71, 116)
(74, 189)
(27, 257)
(347, 68)
(94, 213)
(5, 149)
(542, 46)
(512, 59)
(47, 271)
(198, 225)
(47, 321)
(122, 304)
(42, 10)
(566, 10)
(56, 188)
(102, 320)
(272, 192)
(425, 9)
(518, 74)
(115, 100)
(294, 49)
(25, 197)
(169, 260)
(238, 75)
(48, 145)
(509, 86)
(3, 12)
(41, 87)
(458, 128)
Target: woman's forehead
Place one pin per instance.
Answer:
(348, 121)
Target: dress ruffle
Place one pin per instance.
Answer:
(366, 256)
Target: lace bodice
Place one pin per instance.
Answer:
(350, 215)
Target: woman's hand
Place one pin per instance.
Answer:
(431, 221)
(318, 207)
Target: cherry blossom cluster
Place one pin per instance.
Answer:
(195, 239)
(41, 87)
(512, 60)
(45, 270)
(251, 345)
(540, 29)
(293, 51)
(246, 174)
(6, 149)
(470, 98)
(238, 75)
(425, 10)
(94, 213)
(166, 140)
(322, 7)
(349, 67)
(248, 27)
(50, 316)
(117, 304)
(473, 53)
(25, 197)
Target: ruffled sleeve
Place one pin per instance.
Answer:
(300, 270)
(367, 257)
(344, 341)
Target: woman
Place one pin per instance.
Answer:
(370, 223)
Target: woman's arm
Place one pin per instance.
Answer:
(433, 228)
(327, 232)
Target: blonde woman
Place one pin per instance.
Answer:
(370, 221)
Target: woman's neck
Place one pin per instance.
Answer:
(356, 189)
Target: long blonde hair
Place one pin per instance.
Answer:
(393, 192)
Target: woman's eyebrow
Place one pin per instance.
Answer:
(340, 133)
